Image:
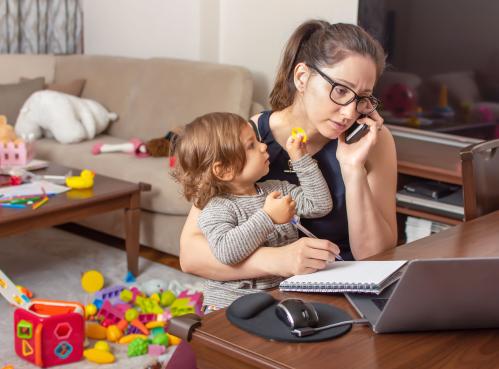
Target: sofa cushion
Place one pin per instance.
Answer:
(109, 81)
(74, 87)
(13, 96)
(171, 93)
(165, 196)
(15, 66)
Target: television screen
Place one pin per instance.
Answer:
(442, 63)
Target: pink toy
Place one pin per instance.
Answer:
(15, 154)
(486, 114)
(49, 332)
(196, 300)
(134, 146)
(110, 314)
(156, 350)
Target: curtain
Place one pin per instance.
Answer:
(41, 27)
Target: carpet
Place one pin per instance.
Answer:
(50, 263)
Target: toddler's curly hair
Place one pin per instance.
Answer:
(210, 138)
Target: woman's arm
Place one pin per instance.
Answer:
(303, 256)
(370, 186)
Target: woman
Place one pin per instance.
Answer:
(324, 85)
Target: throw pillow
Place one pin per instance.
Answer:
(13, 96)
(74, 87)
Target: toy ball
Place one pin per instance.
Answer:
(400, 99)
(90, 310)
(114, 333)
(92, 281)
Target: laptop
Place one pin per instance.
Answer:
(436, 294)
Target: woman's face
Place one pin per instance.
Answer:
(330, 119)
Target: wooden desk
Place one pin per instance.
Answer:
(219, 344)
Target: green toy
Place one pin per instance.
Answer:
(138, 347)
(167, 298)
(161, 339)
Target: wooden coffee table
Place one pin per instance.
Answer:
(107, 194)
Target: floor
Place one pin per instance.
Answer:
(145, 251)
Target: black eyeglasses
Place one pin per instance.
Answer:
(344, 95)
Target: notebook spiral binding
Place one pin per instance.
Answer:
(328, 287)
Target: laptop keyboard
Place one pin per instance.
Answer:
(380, 303)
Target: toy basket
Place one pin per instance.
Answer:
(49, 332)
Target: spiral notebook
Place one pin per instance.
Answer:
(348, 276)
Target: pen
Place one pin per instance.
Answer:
(38, 195)
(13, 206)
(296, 222)
(36, 205)
(23, 201)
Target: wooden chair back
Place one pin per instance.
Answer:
(480, 168)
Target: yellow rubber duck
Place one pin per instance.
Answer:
(84, 180)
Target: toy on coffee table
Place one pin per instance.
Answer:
(83, 181)
(46, 332)
(14, 151)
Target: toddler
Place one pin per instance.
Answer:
(218, 163)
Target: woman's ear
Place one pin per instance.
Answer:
(301, 75)
(222, 173)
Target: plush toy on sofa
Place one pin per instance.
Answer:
(157, 147)
(7, 133)
(67, 118)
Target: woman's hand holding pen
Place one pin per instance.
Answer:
(306, 255)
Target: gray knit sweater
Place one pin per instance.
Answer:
(236, 226)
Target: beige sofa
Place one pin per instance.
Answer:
(151, 96)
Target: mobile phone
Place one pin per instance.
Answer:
(356, 132)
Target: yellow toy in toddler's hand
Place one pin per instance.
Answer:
(299, 131)
(84, 180)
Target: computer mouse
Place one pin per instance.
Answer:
(296, 313)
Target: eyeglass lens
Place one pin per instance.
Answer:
(342, 95)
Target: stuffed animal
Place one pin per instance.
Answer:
(67, 118)
(157, 147)
(7, 133)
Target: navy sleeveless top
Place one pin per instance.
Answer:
(334, 226)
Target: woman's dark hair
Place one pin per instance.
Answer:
(319, 43)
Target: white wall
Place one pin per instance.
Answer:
(250, 33)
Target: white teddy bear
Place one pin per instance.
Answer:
(67, 118)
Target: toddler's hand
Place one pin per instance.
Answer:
(296, 147)
(280, 209)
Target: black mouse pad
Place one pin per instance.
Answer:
(255, 313)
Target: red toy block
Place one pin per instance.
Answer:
(50, 332)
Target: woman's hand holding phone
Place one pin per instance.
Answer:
(354, 152)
